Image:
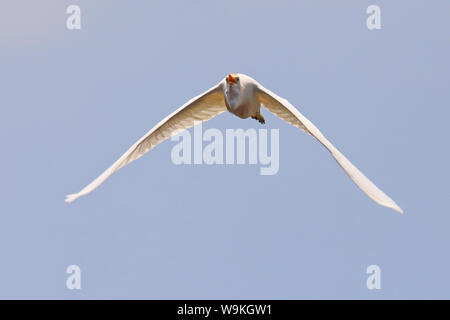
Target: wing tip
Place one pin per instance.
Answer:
(395, 207)
(71, 197)
(398, 209)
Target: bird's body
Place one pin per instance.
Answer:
(242, 96)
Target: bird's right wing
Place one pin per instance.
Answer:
(201, 108)
(286, 111)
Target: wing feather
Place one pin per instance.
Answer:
(201, 108)
(287, 112)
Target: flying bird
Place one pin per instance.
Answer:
(242, 96)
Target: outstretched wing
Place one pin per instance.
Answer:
(286, 111)
(201, 108)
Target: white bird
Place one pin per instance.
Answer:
(243, 97)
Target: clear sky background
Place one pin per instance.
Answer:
(71, 102)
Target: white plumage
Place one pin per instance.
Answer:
(242, 96)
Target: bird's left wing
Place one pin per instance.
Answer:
(286, 111)
(201, 108)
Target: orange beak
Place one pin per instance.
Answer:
(231, 79)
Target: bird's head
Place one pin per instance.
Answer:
(232, 78)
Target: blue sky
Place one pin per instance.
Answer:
(73, 101)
